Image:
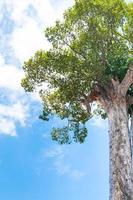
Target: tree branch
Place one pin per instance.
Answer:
(99, 94)
(123, 36)
(87, 105)
(75, 51)
(127, 81)
(115, 82)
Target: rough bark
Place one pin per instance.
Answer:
(131, 135)
(120, 153)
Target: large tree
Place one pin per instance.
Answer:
(90, 61)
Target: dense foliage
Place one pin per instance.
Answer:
(92, 45)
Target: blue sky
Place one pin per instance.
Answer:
(32, 166)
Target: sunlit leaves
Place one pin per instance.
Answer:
(93, 44)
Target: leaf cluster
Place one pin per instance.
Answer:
(91, 45)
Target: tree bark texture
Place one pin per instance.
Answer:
(131, 134)
(114, 99)
(120, 153)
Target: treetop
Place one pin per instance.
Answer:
(90, 47)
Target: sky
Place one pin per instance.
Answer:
(32, 166)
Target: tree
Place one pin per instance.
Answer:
(90, 60)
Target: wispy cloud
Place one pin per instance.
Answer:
(16, 112)
(10, 76)
(58, 155)
(98, 122)
(7, 126)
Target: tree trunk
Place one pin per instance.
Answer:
(131, 134)
(120, 153)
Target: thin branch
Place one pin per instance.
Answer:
(123, 36)
(86, 104)
(127, 81)
(75, 51)
(115, 82)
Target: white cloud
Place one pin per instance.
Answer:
(66, 169)
(27, 39)
(28, 36)
(58, 155)
(10, 77)
(16, 110)
(57, 151)
(7, 127)
(98, 122)
(43, 9)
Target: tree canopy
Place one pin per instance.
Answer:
(90, 47)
